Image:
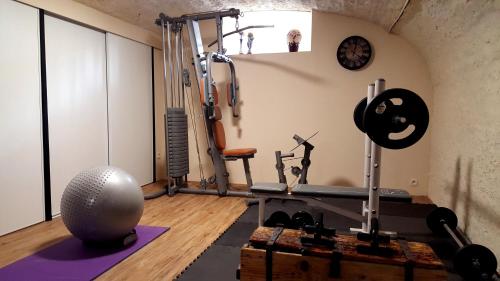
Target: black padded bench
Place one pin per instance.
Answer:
(267, 187)
(385, 194)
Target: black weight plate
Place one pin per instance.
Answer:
(300, 219)
(176, 111)
(182, 120)
(179, 158)
(177, 121)
(278, 218)
(438, 216)
(379, 124)
(178, 129)
(359, 112)
(475, 262)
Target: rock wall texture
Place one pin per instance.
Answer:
(460, 41)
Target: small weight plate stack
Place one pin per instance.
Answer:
(177, 144)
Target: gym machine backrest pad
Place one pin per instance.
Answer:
(218, 127)
(204, 88)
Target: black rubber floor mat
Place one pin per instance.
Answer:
(221, 260)
(217, 263)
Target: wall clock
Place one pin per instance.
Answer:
(354, 52)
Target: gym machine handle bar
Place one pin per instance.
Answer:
(221, 58)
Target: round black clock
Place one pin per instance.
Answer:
(354, 52)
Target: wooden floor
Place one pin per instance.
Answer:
(196, 221)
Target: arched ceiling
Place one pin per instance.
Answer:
(143, 12)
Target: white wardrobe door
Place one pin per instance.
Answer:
(76, 101)
(21, 166)
(130, 107)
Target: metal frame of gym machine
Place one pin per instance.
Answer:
(372, 165)
(202, 64)
(371, 174)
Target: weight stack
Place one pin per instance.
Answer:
(177, 142)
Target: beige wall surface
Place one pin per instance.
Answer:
(92, 17)
(161, 172)
(301, 93)
(460, 42)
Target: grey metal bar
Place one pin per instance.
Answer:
(197, 49)
(182, 69)
(179, 68)
(453, 235)
(169, 45)
(220, 43)
(235, 193)
(375, 164)
(248, 175)
(262, 209)
(368, 141)
(198, 191)
(239, 30)
(210, 15)
(462, 236)
(210, 92)
(176, 67)
(367, 164)
(165, 92)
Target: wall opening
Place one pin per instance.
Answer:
(268, 40)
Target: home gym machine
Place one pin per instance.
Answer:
(381, 115)
(301, 248)
(176, 79)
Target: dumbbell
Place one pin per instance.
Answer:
(472, 261)
(297, 221)
(278, 218)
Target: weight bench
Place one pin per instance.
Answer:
(313, 195)
(385, 194)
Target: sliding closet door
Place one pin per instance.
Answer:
(21, 168)
(130, 107)
(77, 101)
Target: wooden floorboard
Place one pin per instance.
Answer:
(196, 221)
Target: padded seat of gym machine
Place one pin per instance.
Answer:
(269, 187)
(239, 152)
(385, 194)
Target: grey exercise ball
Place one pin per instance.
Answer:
(102, 204)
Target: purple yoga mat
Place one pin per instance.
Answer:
(71, 260)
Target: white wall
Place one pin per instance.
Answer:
(161, 170)
(460, 42)
(21, 167)
(89, 16)
(130, 97)
(77, 102)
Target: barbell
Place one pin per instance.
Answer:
(472, 261)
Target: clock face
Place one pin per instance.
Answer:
(354, 52)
